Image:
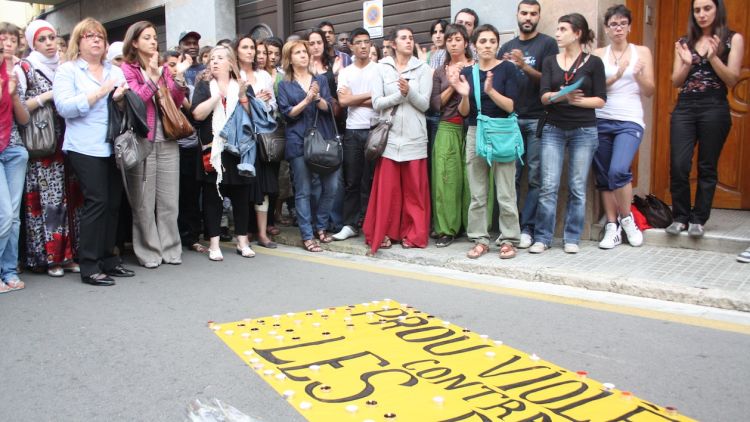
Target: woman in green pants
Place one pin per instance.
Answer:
(450, 193)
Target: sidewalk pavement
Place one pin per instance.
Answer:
(698, 277)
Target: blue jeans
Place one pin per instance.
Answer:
(582, 143)
(303, 198)
(12, 176)
(531, 160)
(618, 143)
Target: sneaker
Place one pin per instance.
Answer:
(696, 230)
(345, 233)
(571, 248)
(634, 235)
(675, 228)
(538, 247)
(526, 241)
(612, 236)
(744, 256)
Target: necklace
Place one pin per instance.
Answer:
(573, 69)
(617, 59)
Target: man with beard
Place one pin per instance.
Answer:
(528, 51)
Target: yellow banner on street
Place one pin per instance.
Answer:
(384, 361)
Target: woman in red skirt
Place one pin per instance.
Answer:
(399, 207)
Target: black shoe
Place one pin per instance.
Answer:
(444, 241)
(94, 281)
(120, 271)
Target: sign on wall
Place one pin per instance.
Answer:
(383, 361)
(372, 17)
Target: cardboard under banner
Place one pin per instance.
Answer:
(384, 361)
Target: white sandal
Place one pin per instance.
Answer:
(245, 252)
(215, 255)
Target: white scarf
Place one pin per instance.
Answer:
(44, 64)
(219, 120)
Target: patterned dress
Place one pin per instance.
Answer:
(52, 198)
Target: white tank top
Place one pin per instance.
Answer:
(623, 96)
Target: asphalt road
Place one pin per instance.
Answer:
(141, 350)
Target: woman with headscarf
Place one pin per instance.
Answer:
(52, 195)
(13, 157)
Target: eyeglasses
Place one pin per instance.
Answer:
(615, 25)
(93, 35)
(44, 38)
(360, 43)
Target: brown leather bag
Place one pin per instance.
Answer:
(176, 125)
(377, 139)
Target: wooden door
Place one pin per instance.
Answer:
(733, 189)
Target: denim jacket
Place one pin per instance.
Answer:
(238, 131)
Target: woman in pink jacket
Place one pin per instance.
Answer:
(154, 186)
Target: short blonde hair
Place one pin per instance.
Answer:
(84, 26)
(286, 57)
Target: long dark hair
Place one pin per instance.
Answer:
(578, 23)
(452, 30)
(130, 53)
(327, 59)
(236, 48)
(719, 26)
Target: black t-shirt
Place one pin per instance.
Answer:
(535, 50)
(505, 81)
(562, 114)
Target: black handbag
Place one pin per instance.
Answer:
(323, 156)
(657, 213)
(377, 139)
(272, 145)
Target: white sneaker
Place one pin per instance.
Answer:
(526, 241)
(538, 247)
(612, 236)
(571, 248)
(345, 233)
(635, 237)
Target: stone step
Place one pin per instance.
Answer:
(728, 231)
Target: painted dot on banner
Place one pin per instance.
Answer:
(279, 338)
(245, 335)
(534, 357)
(268, 372)
(386, 300)
(386, 307)
(314, 367)
(671, 410)
(352, 408)
(320, 311)
(280, 377)
(446, 323)
(290, 314)
(254, 329)
(371, 403)
(216, 327)
(390, 416)
(248, 353)
(402, 318)
(582, 374)
(608, 386)
(347, 319)
(258, 366)
(298, 322)
(439, 400)
(277, 325)
(272, 333)
(316, 324)
(254, 360)
(258, 340)
(484, 336)
(305, 405)
(498, 343)
(325, 388)
(365, 304)
(489, 354)
(277, 316)
(627, 395)
(289, 330)
(288, 394)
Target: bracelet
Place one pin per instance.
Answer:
(38, 101)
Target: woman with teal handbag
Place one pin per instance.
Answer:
(488, 97)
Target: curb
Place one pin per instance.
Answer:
(621, 284)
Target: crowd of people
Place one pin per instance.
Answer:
(63, 210)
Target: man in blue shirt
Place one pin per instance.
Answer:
(527, 51)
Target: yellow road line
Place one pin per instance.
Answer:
(430, 278)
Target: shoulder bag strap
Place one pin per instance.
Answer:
(477, 95)
(333, 119)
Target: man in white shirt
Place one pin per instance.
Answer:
(354, 91)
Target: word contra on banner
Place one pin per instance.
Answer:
(386, 361)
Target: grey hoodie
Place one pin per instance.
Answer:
(407, 139)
